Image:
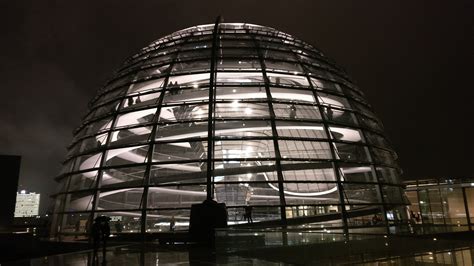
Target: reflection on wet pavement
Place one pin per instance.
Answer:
(272, 249)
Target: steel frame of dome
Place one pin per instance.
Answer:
(240, 113)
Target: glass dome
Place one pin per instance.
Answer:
(242, 114)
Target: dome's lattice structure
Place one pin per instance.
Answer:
(243, 114)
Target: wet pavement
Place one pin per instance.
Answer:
(314, 249)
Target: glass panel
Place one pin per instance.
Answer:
(294, 111)
(168, 220)
(236, 215)
(176, 196)
(127, 136)
(158, 59)
(238, 52)
(239, 64)
(238, 109)
(237, 43)
(181, 131)
(371, 220)
(377, 140)
(283, 79)
(248, 128)
(75, 223)
(152, 72)
(99, 126)
(88, 161)
(184, 112)
(345, 134)
(227, 149)
(389, 175)
(191, 66)
(175, 94)
(394, 195)
(201, 53)
(369, 123)
(243, 170)
(102, 110)
(85, 180)
(383, 156)
(243, 194)
(240, 93)
(470, 202)
(321, 84)
(308, 174)
(140, 100)
(333, 100)
(305, 96)
(351, 172)
(361, 194)
(293, 68)
(150, 85)
(178, 151)
(300, 130)
(453, 206)
(340, 116)
(181, 173)
(135, 118)
(363, 109)
(348, 152)
(304, 149)
(63, 184)
(128, 155)
(123, 177)
(121, 199)
(93, 142)
(239, 77)
(278, 54)
(78, 201)
(190, 80)
(196, 45)
(124, 222)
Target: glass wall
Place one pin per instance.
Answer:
(441, 204)
(257, 116)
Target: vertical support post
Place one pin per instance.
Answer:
(100, 171)
(281, 189)
(334, 164)
(210, 125)
(151, 147)
(466, 208)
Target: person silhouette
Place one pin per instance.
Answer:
(172, 224)
(100, 232)
(293, 111)
(118, 226)
(248, 213)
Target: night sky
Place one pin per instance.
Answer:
(413, 59)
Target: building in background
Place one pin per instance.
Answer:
(27, 204)
(239, 113)
(441, 205)
(9, 174)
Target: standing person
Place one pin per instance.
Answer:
(172, 224)
(248, 213)
(292, 111)
(100, 233)
(118, 226)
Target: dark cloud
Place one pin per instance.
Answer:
(412, 58)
